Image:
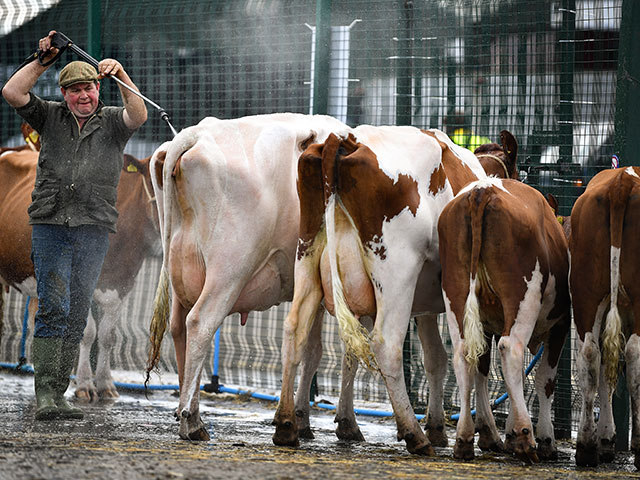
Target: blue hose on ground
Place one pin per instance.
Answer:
(222, 389)
(504, 396)
(24, 368)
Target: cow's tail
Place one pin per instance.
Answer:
(473, 332)
(161, 304)
(612, 336)
(352, 332)
(158, 322)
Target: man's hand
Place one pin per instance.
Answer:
(135, 113)
(44, 45)
(109, 67)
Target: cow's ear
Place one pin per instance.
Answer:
(510, 148)
(132, 165)
(509, 144)
(158, 167)
(553, 202)
(30, 136)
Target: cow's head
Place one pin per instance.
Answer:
(133, 166)
(500, 160)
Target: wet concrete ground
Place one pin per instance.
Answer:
(136, 438)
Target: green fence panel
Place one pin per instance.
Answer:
(544, 70)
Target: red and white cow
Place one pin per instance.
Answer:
(504, 273)
(605, 263)
(369, 207)
(137, 233)
(227, 201)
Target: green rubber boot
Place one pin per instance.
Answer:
(45, 356)
(68, 359)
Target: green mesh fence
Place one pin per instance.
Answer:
(544, 70)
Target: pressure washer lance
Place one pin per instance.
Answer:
(62, 42)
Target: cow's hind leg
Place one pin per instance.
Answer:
(387, 346)
(485, 423)
(297, 327)
(545, 385)
(347, 429)
(435, 365)
(588, 366)
(312, 357)
(191, 425)
(632, 356)
(606, 427)
(512, 355)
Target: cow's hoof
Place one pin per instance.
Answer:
(524, 448)
(109, 393)
(636, 460)
(463, 450)
(86, 394)
(437, 435)
(418, 444)
(286, 434)
(193, 430)
(487, 442)
(547, 449)
(607, 451)
(491, 445)
(510, 443)
(306, 433)
(528, 454)
(199, 435)
(587, 454)
(348, 431)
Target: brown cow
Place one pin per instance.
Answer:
(137, 233)
(605, 262)
(504, 273)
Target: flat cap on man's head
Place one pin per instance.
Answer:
(77, 72)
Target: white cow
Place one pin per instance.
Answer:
(369, 247)
(229, 214)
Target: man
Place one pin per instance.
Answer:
(73, 207)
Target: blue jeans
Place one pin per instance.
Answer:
(67, 263)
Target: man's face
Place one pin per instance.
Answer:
(82, 98)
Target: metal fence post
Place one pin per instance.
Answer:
(322, 57)
(627, 122)
(404, 64)
(562, 402)
(94, 28)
